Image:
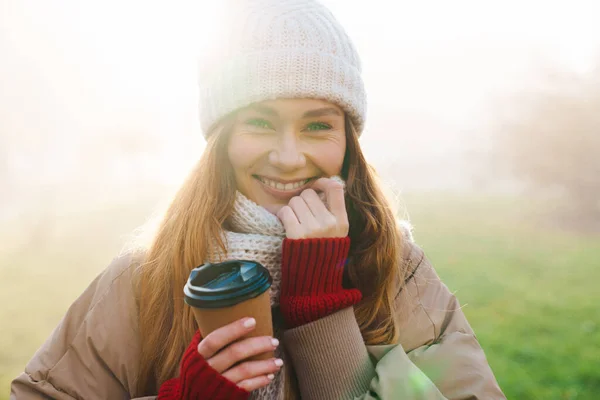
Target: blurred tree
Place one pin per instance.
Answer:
(550, 139)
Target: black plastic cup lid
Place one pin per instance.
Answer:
(226, 284)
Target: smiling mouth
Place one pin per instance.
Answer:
(284, 187)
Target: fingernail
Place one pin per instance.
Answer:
(279, 362)
(249, 323)
(275, 342)
(271, 376)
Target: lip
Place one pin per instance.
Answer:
(282, 194)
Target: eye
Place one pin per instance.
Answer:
(317, 126)
(259, 123)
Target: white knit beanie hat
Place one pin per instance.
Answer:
(279, 49)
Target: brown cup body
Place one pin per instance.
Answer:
(210, 319)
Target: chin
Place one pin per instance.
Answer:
(273, 208)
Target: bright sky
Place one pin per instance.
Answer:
(436, 61)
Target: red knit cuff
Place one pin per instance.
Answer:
(300, 310)
(311, 279)
(197, 379)
(313, 266)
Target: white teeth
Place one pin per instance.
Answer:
(283, 186)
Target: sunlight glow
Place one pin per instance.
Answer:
(432, 65)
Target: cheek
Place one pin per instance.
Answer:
(328, 156)
(243, 153)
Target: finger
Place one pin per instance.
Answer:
(242, 350)
(220, 338)
(253, 369)
(334, 193)
(316, 205)
(290, 222)
(303, 213)
(256, 383)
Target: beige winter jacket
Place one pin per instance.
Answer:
(93, 352)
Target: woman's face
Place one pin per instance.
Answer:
(278, 147)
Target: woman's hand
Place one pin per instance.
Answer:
(306, 216)
(225, 352)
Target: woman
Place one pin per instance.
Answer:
(359, 313)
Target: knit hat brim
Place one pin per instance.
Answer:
(261, 76)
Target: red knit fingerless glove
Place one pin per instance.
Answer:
(311, 279)
(199, 380)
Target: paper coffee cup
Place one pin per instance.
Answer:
(221, 293)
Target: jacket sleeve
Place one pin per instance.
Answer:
(452, 369)
(83, 358)
(438, 356)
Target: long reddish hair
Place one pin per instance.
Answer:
(195, 219)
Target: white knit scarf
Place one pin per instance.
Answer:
(257, 235)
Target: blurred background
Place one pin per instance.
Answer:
(484, 116)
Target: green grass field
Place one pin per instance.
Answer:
(530, 292)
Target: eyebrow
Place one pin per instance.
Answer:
(319, 112)
(264, 110)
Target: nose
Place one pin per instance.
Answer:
(287, 155)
